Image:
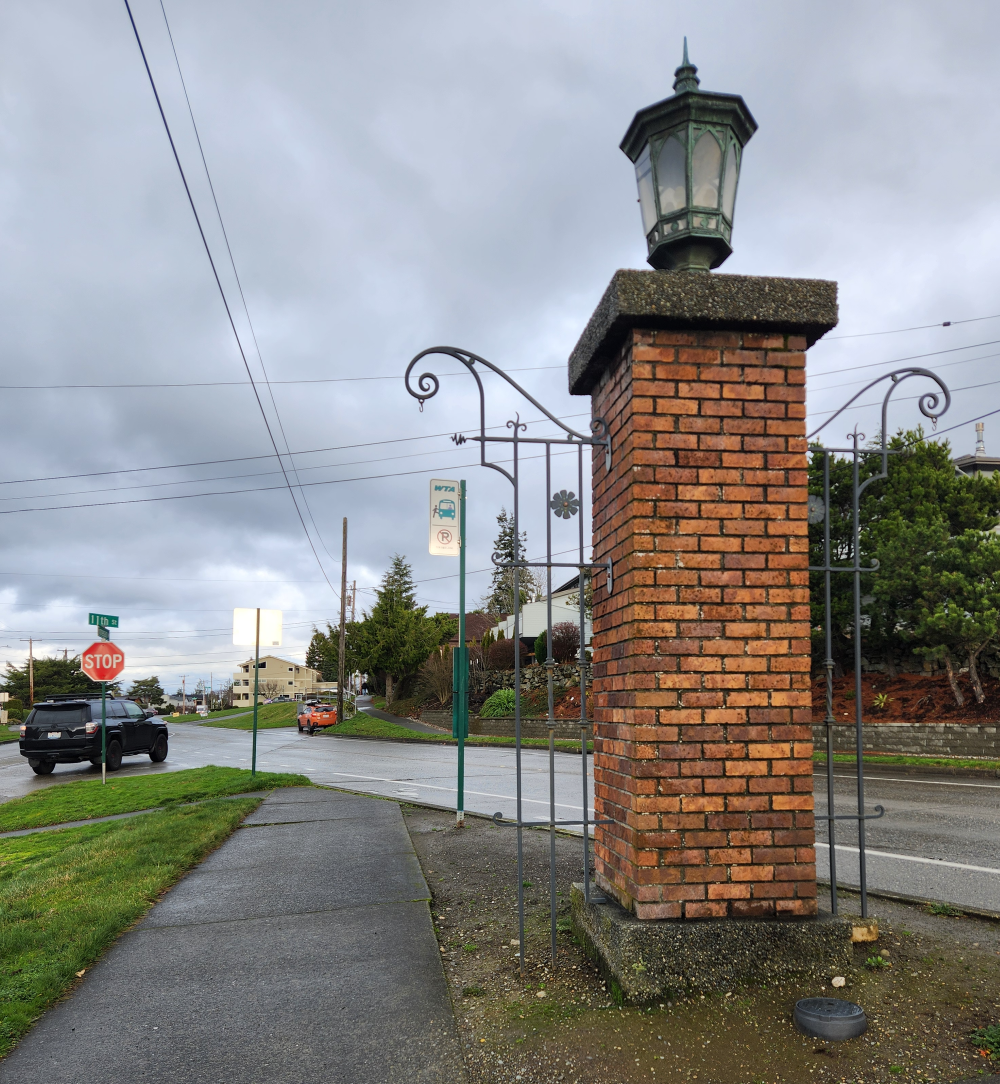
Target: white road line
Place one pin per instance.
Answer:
(926, 782)
(914, 858)
(450, 790)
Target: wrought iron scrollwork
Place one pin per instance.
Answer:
(932, 405)
(562, 505)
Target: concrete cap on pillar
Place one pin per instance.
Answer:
(678, 301)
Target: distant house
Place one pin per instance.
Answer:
(565, 607)
(476, 627)
(296, 681)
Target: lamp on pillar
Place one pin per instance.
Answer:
(687, 152)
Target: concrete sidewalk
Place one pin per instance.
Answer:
(300, 951)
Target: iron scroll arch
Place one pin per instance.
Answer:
(562, 507)
(932, 404)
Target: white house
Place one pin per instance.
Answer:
(534, 615)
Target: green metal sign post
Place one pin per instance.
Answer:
(460, 668)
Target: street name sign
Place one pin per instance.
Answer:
(108, 621)
(444, 539)
(102, 662)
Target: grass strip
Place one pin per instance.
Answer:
(65, 897)
(191, 716)
(88, 798)
(268, 715)
(367, 726)
(899, 758)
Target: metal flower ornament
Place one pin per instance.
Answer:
(564, 504)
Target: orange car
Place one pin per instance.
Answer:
(316, 717)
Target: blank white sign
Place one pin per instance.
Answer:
(245, 627)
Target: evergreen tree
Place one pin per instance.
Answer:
(911, 524)
(396, 638)
(323, 653)
(500, 597)
(147, 691)
(53, 677)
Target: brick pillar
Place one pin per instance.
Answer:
(703, 752)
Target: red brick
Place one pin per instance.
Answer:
(702, 654)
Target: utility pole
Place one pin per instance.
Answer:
(184, 695)
(343, 619)
(31, 668)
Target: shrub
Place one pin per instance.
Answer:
(436, 677)
(500, 703)
(565, 641)
(541, 647)
(501, 656)
(988, 1039)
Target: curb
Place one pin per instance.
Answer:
(819, 766)
(453, 741)
(900, 897)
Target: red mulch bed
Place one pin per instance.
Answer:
(913, 698)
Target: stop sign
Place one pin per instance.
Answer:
(103, 661)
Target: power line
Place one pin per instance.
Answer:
(943, 365)
(243, 300)
(901, 399)
(269, 455)
(222, 292)
(254, 489)
(911, 357)
(900, 330)
(244, 383)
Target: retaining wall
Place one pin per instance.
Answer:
(916, 739)
(503, 727)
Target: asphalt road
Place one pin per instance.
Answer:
(425, 773)
(939, 838)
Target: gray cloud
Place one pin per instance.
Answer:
(394, 176)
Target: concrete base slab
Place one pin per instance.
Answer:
(652, 960)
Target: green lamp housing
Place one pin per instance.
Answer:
(687, 152)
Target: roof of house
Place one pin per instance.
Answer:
(476, 627)
(278, 658)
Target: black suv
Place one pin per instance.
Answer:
(67, 730)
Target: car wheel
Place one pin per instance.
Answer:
(312, 730)
(113, 756)
(300, 728)
(159, 751)
(43, 767)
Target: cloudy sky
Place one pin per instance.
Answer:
(394, 176)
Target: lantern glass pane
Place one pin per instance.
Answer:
(706, 165)
(644, 179)
(670, 170)
(729, 184)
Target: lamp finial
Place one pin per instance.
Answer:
(686, 76)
